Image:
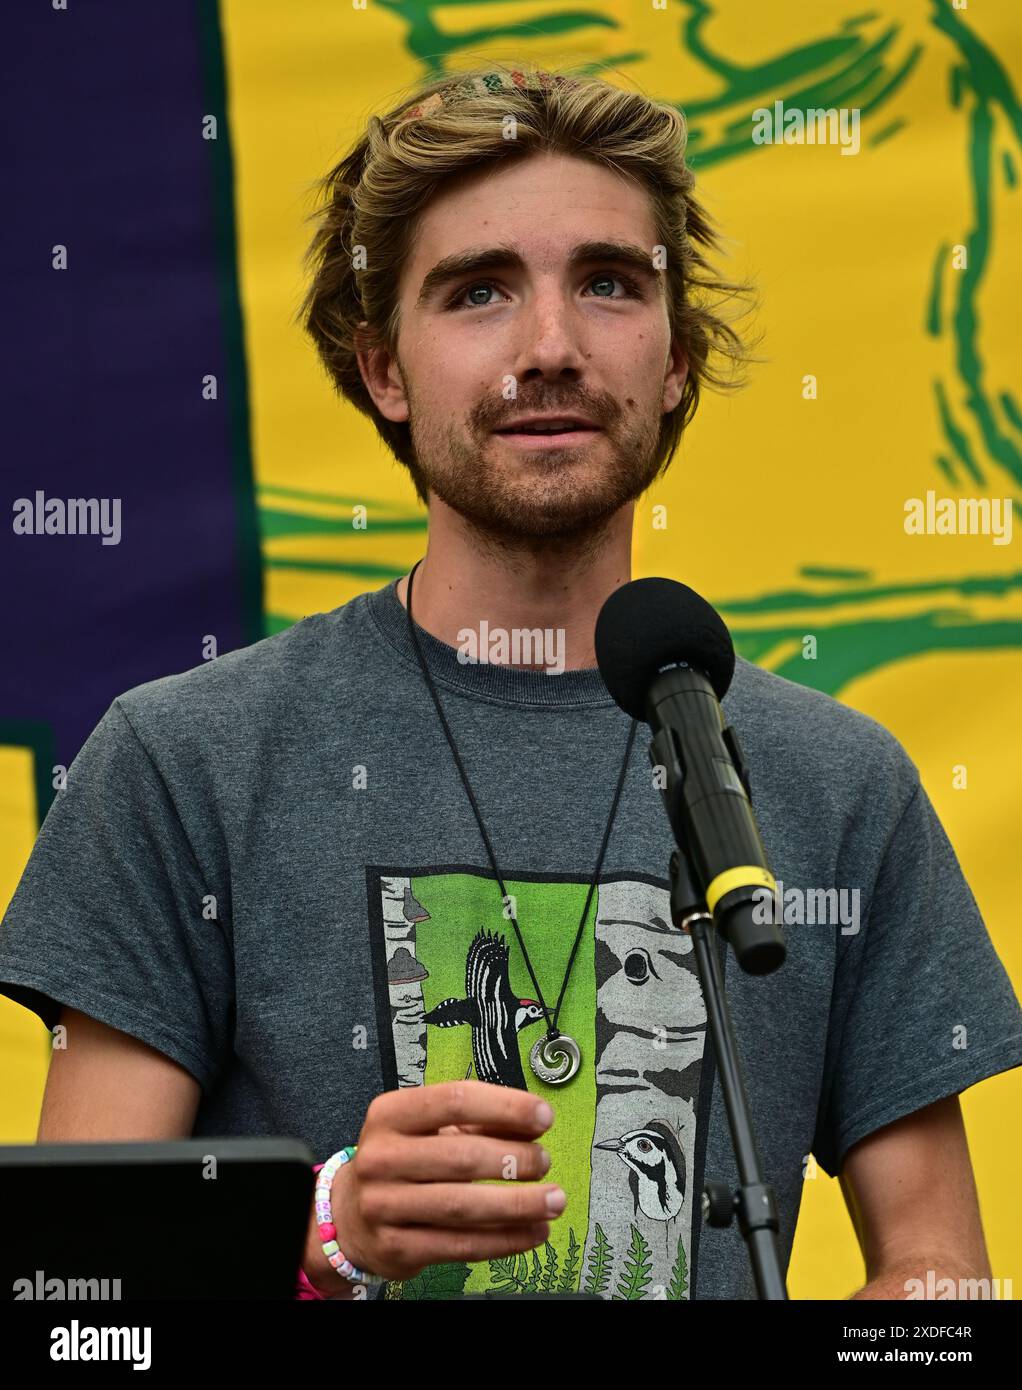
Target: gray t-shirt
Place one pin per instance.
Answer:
(268, 869)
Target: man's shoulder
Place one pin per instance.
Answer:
(250, 685)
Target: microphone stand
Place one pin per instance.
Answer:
(753, 1200)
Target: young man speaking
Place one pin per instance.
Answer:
(347, 885)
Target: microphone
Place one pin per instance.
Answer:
(667, 658)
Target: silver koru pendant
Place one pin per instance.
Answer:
(555, 1060)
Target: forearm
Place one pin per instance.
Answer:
(922, 1278)
(322, 1275)
(318, 1269)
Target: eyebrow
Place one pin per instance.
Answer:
(477, 260)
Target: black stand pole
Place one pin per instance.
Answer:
(754, 1199)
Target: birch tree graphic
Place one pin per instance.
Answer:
(650, 1035)
(402, 913)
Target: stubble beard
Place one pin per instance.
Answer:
(560, 499)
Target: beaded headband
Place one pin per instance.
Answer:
(484, 85)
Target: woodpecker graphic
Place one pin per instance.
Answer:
(656, 1168)
(494, 1012)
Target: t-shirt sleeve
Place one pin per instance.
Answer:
(923, 1007)
(114, 916)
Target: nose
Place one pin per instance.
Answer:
(550, 341)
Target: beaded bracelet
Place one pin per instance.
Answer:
(325, 1220)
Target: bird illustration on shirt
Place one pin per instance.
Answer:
(494, 1012)
(656, 1168)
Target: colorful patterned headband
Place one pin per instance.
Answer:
(484, 85)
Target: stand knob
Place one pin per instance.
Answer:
(718, 1204)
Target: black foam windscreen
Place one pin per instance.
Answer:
(648, 624)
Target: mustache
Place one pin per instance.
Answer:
(490, 414)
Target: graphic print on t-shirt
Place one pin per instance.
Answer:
(454, 999)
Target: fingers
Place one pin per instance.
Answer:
(425, 1109)
(452, 1157)
(406, 1251)
(485, 1129)
(447, 1173)
(456, 1205)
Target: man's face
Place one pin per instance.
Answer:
(484, 345)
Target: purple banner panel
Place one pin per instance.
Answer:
(122, 366)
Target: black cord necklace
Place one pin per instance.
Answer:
(554, 1058)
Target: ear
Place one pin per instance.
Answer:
(381, 374)
(674, 377)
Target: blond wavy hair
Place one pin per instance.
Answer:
(454, 125)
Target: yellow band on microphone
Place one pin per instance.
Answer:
(745, 876)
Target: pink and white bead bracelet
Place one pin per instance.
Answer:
(325, 1220)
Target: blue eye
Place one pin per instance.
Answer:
(471, 290)
(631, 289)
(458, 301)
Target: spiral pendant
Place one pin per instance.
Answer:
(555, 1060)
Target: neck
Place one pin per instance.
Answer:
(556, 585)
